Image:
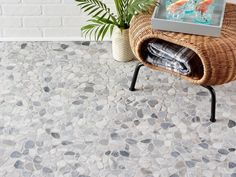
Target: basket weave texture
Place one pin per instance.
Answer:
(217, 55)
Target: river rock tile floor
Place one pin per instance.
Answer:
(66, 111)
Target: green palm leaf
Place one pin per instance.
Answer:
(103, 20)
(138, 6)
(97, 27)
(96, 8)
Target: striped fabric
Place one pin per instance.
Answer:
(170, 56)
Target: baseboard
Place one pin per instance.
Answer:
(48, 39)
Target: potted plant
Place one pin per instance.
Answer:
(103, 21)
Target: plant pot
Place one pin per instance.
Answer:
(121, 49)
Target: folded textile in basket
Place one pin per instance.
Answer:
(170, 56)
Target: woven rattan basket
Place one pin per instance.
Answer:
(216, 62)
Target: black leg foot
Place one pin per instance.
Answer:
(213, 103)
(136, 71)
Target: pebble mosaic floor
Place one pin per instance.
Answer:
(66, 111)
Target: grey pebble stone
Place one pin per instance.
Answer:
(48, 130)
(154, 116)
(104, 142)
(146, 171)
(205, 159)
(46, 89)
(19, 164)
(48, 79)
(89, 89)
(124, 126)
(202, 93)
(38, 166)
(27, 173)
(196, 119)
(15, 154)
(180, 165)
(58, 49)
(146, 141)
(10, 67)
(158, 143)
(107, 153)
(143, 100)
(140, 113)
(83, 176)
(204, 145)
(36, 103)
(233, 175)
(114, 136)
(152, 103)
(9, 142)
(127, 147)
(47, 170)
(25, 152)
(102, 50)
(174, 175)
(162, 114)
(66, 142)
(113, 164)
(23, 46)
(42, 112)
(231, 124)
(99, 108)
(77, 102)
(29, 166)
(72, 53)
(29, 144)
(55, 135)
(136, 122)
(37, 159)
(115, 153)
(166, 125)
(69, 153)
(223, 151)
(231, 149)
(19, 103)
(86, 43)
(131, 141)
(40, 150)
(64, 46)
(232, 165)
(175, 154)
(77, 155)
(121, 167)
(83, 97)
(124, 153)
(151, 121)
(117, 122)
(39, 143)
(74, 174)
(190, 164)
(11, 77)
(150, 147)
(77, 42)
(185, 89)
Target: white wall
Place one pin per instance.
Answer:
(42, 19)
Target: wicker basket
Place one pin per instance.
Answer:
(216, 60)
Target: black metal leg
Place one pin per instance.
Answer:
(213, 103)
(135, 76)
(211, 90)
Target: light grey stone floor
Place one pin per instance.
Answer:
(65, 111)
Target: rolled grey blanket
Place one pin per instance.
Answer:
(170, 56)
